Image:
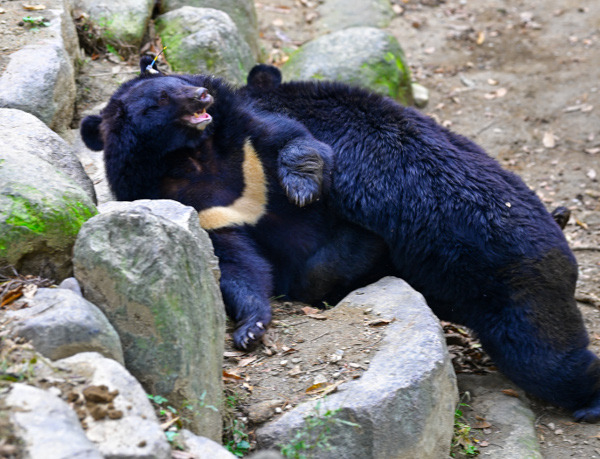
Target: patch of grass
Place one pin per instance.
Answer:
(173, 419)
(315, 435)
(237, 439)
(463, 443)
(235, 436)
(35, 22)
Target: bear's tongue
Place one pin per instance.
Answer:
(198, 117)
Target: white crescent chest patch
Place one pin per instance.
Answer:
(250, 206)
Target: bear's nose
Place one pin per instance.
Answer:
(202, 94)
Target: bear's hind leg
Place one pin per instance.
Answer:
(559, 369)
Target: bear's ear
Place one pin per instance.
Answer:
(90, 132)
(264, 77)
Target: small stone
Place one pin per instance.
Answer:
(420, 95)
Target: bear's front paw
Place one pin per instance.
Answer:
(303, 171)
(249, 333)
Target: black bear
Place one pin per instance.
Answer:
(468, 235)
(256, 179)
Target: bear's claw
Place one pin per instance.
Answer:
(248, 334)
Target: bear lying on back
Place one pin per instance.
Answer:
(256, 179)
(468, 235)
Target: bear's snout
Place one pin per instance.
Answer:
(202, 95)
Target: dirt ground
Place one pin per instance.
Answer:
(521, 78)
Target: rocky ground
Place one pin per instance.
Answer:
(521, 78)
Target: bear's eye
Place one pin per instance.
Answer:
(163, 99)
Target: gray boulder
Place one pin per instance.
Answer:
(514, 432)
(242, 12)
(154, 280)
(40, 73)
(40, 78)
(41, 211)
(404, 403)
(59, 323)
(46, 426)
(132, 430)
(123, 23)
(205, 40)
(22, 132)
(341, 14)
(202, 446)
(363, 56)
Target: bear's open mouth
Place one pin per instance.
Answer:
(199, 119)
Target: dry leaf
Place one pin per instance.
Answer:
(169, 423)
(379, 322)
(247, 361)
(510, 392)
(308, 310)
(549, 140)
(481, 425)
(228, 354)
(316, 387)
(317, 316)
(34, 7)
(231, 375)
(248, 387)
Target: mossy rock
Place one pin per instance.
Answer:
(41, 212)
(242, 12)
(362, 56)
(205, 40)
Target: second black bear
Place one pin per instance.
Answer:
(467, 234)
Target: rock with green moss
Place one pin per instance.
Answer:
(342, 14)
(205, 40)
(150, 268)
(122, 24)
(362, 56)
(41, 212)
(242, 12)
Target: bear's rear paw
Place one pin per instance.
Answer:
(304, 171)
(249, 333)
(590, 414)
